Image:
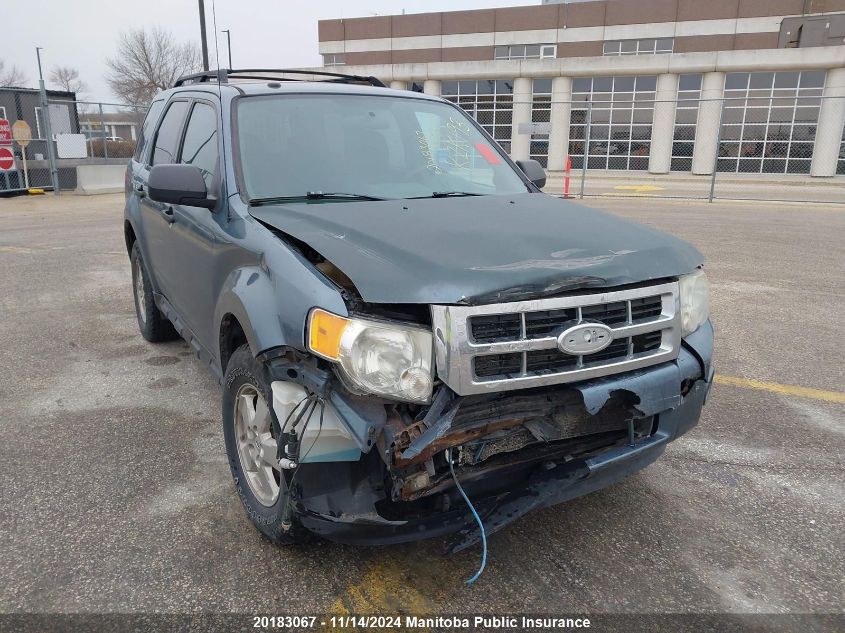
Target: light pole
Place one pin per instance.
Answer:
(229, 44)
(202, 36)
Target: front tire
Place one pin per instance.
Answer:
(153, 324)
(250, 430)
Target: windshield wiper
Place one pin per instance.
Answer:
(320, 195)
(315, 195)
(450, 194)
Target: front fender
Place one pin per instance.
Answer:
(271, 300)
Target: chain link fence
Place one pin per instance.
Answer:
(66, 136)
(92, 133)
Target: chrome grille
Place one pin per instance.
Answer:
(514, 345)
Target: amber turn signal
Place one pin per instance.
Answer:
(324, 333)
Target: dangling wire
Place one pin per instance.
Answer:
(469, 581)
(309, 399)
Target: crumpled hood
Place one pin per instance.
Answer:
(482, 249)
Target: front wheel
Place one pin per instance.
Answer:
(250, 431)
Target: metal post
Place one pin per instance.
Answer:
(103, 128)
(586, 147)
(716, 153)
(38, 55)
(203, 40)
(229, 45)
(51, 150)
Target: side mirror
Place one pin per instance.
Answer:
(179, 184)
(534, 171)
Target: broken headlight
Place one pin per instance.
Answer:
(387, 359)
(695, 301)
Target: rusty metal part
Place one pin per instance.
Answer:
(456, 438)
(409, 434)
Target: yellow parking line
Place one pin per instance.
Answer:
(391, 584)
(786, 390)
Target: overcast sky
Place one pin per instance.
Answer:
(265, 33)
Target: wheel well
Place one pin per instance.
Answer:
(232, 336)
(128, 235)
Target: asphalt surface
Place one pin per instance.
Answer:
(116, 495)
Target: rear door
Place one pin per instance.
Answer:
(157, 217)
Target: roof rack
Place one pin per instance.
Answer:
(223, 75)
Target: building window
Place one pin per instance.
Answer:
(334, 59)
(651, 46)
(769, 121)
(526, 51)
(620, 121)
(541, 117)
(686, 118)
(489, 102)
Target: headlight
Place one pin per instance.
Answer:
(387, 359)
(695, 301)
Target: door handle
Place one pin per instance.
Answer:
(167, 212)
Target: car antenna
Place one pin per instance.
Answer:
(221, 78)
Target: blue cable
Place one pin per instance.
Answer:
(469, 581)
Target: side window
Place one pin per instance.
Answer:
(147, 128)
(200, 145)
(167, 137)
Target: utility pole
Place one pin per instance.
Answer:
(202, 36)
(229, 43)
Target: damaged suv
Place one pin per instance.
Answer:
(396, 311)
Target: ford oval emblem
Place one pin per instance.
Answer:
(587, 338)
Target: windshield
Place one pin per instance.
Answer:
(369, 146)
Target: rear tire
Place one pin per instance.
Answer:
(249, 425)
(153, 324)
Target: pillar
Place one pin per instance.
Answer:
(521, 122)
(399, 85)
(831, 122)
(559, 133)
(707, 128)
(663, 124)
(432, 87)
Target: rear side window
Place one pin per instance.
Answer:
(200, 145)
(147, 128)
(167, 137)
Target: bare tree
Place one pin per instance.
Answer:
(149, 61)
(67, 79)
(12, 76)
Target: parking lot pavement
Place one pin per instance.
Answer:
(116, 494)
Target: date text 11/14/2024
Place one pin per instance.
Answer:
(421, 622)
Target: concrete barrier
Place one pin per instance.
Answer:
(93, 179)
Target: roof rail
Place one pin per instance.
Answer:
(223, 75)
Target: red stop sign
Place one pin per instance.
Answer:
(7, 159)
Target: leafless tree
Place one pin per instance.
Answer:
(67, 79)
(148, 61)
(13, 76)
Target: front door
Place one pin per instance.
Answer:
(196, 232)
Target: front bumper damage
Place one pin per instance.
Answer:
(397, 490)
